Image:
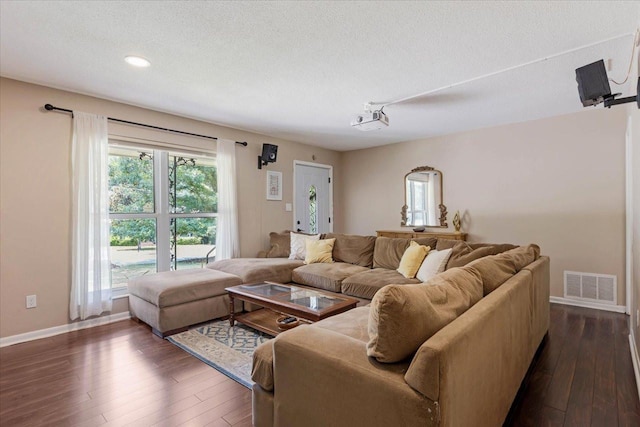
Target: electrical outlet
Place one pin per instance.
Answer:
(31, 301)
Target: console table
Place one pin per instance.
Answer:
(413, 234)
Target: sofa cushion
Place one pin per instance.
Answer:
(254, 270)
(412, 259)
(262, 367)
(388, 251)
(171, 288)
(325, 276)
(352, 249)
(462, 253)
(443, 244)
(352, 323)
(367, 283)
(280, 244)
(434, 263)
(319, 251)
(497, 269)
(402, 317)
(426, 241)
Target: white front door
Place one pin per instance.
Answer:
(312, 198)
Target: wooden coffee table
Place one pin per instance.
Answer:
(308, 305)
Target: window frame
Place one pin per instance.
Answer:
(162, 209)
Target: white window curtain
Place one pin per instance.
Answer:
(227, 240)
(431, 202)
(90, 263)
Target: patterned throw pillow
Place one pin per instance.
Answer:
(299, 245)
(434, 263)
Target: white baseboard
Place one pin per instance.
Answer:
(588, 304)
(57, 330)
(635, 358)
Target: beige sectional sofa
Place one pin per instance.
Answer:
(450, 352)
(362, 264)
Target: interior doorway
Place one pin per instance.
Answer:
(312, 197)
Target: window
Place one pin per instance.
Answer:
(162, 210)
(417, 198)
(313, 214)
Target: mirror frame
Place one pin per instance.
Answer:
(441, 206)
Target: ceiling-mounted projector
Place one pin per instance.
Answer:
(370, 121)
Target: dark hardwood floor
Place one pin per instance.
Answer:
(122, 374)
(583, 375)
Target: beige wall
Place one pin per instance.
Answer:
(35, 193)
(634, 118)
(557, 182)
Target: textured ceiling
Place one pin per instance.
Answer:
(302, 70)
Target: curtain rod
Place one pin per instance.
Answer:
(50, 107)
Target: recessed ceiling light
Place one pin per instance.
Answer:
(137, 61)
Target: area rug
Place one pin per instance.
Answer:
(229, 349)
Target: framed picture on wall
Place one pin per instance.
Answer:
(274, 185)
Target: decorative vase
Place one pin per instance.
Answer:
(456, 221)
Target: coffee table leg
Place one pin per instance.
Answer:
(231, 310)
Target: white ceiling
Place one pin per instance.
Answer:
(302, 70)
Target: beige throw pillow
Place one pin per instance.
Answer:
(434, 263)
(280, 244)
(412, 259)
(319, 251)
(299, 244)
(403, 317)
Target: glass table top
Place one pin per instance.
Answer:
(303, 297)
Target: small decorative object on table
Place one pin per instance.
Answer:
(456, 221)
(287, 322)
(418, 229)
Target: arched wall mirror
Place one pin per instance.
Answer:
(423, 199)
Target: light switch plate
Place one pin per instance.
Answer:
(31, 301)
(288, 207)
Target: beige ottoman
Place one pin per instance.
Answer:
(171, 301)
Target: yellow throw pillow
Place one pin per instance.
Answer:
(319, 251)
(412, 259)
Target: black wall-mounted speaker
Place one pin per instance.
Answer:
(269, 155)
(593, 83)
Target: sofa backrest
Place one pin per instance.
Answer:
(388, 251)
(280, 244)
(402, 317)
(512, 269)
(353, 249)
(462, 253)
(497, 269)
(486, 350)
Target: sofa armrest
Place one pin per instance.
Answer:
(325, 378)
(474, 366)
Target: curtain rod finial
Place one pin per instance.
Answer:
(48, 107)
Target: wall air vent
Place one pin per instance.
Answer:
(600, 288)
